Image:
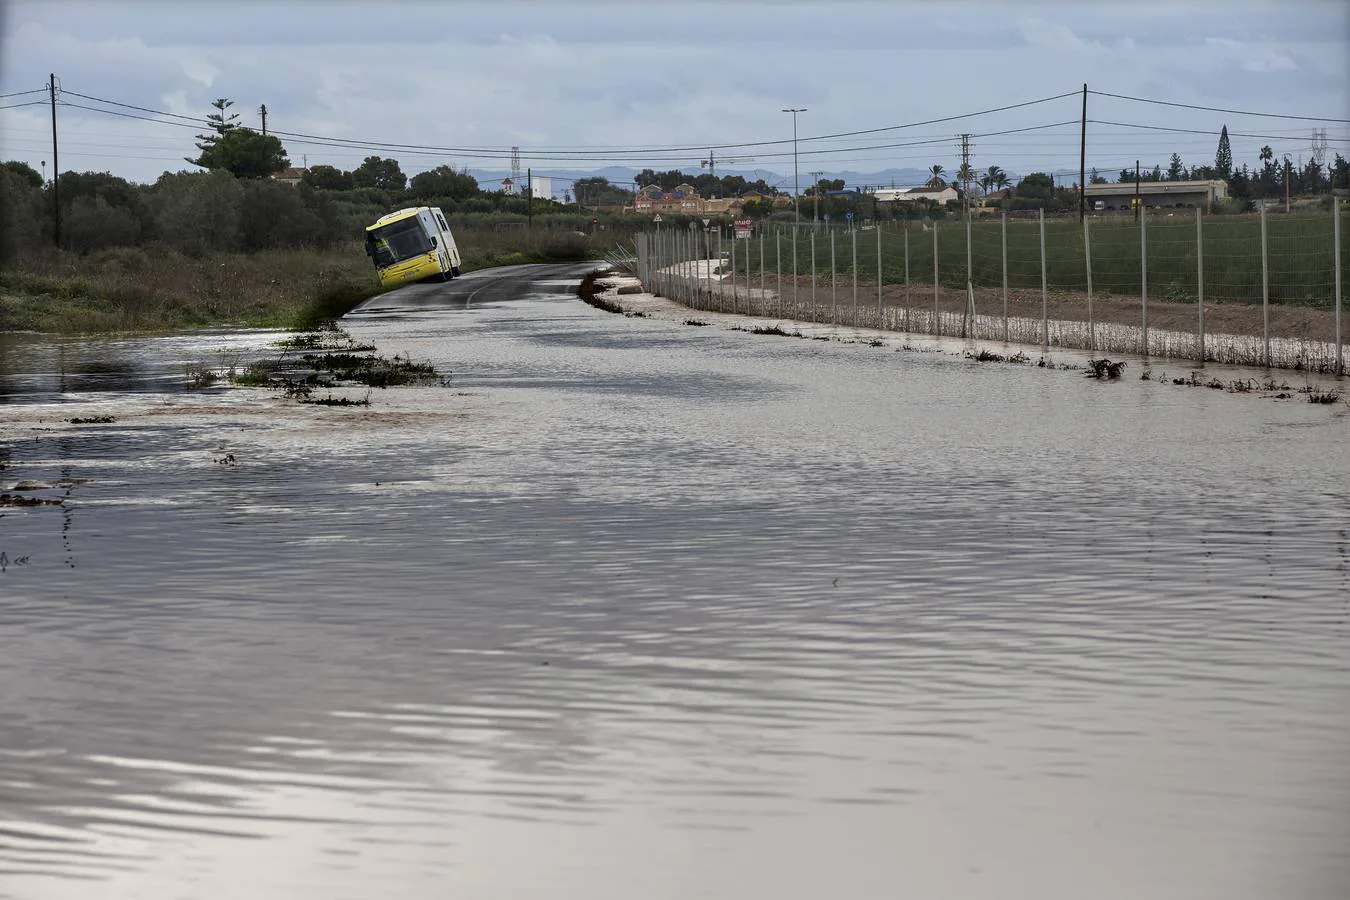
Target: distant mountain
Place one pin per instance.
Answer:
(562, 179)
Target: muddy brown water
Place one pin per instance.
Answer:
(635, 609)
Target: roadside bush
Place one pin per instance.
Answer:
(92, 223)
(274, 215)
(23, 223)
(198, 212)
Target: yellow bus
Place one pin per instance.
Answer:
(412, 244)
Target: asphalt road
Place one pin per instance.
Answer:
(480, 288)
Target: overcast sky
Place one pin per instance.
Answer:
(575, 84)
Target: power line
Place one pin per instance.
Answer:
(22, 94)
(1235, 112)
(1264, 137)
(668, 155)
(18, 105)
(610, 152)
(194, 119)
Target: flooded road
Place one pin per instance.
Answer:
(636, 609)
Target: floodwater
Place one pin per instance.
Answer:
(632, 609)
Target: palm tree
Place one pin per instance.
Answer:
(997, 178)
(935, 179)
(1267, 154)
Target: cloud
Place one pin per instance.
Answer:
(1253, 57)
(1040, 33)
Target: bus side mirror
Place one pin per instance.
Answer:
(433, 240)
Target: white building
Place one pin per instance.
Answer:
(911, 194)
(541, 186)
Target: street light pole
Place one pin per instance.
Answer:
(796, 181)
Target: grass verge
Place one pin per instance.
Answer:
(155, 288)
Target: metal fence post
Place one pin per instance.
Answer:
(854, 233)
(1336, 255)
(778, 270)
(906, 276)
(1200, 277)
(1045, 292)
(881, 315)
(1143, 271)
(970, 281)
(1265, 288)
(834, 284)
(761, 275)
(734, 304)
(1005, 277)
(796, 295)
(937, 314)
(815, 311)
(1087, 257)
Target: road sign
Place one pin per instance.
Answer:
(707, 222)
(849, 216)
(657, 219)
(744, 227)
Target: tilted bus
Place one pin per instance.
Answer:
(412, 244)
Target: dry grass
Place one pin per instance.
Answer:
(133, 289)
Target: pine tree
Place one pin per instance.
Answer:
(221, 122)
(1223, 158)
(1175, 170)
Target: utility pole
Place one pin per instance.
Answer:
(263, 109)
(1136, 190)
(56, 167)
(796, 179)
(1082, 163)
(965, 172)
(815, 191)
(529, 197)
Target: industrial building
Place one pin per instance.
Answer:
(1120, 197)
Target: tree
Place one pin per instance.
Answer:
(244, 153)
(965, 174)
(1312, 180)
(1036, 186)
(1097, 178)
(92, 224)
(328, 178)
(1223, 157)
(23, 219)
(24, 171)
(443, 181)
(1175, 170)
(1340, 172)
(1126, 176)
(1267, 154)
(221, 122)
(375, 172)
(824, 186)
(935, 177)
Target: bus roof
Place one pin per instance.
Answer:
(396, 216)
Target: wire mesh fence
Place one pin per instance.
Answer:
(1257, 289)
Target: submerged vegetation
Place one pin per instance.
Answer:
(326, 358)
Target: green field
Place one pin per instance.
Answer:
(1299, 260)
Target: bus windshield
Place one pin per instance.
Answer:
(398, 241)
